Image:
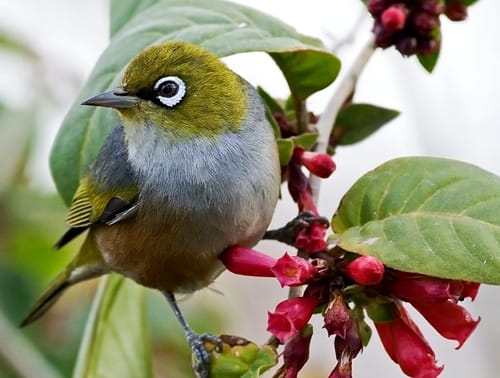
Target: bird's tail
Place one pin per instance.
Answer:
(86, 265)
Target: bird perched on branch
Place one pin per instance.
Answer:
(191, 170)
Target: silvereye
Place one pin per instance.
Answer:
(191, 170)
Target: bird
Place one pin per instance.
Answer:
(191, 169)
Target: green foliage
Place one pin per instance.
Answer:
(111, 347)
(429, 61)
(221, 27)
(356, 122)
(428, 215)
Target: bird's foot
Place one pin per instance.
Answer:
(288, 233)
(201, 357)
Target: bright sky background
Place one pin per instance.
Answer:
(452, 113)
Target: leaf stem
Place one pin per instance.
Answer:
(301, 114)
(345, 89)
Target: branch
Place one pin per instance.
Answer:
(344, 90)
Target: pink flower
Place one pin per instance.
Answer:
(318, 163)
(247, 262)
(300, 189)
(293, 270)
(406, 345)
(290, 317)
(296, 352)
(365, 270)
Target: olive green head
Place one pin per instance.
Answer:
(180, 88)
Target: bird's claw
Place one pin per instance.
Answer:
(288, 233)
(201, 357)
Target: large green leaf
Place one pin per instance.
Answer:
(428, 215)
(114, 343)
(221, 27)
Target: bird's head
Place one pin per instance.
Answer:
(181, 89)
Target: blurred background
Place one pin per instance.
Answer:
(47, 49)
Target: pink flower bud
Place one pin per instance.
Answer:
(248, 262)
(375, 7)
(424, 22)
(290, 317)
(300, 189)
(432, 6)
(337, 316)
(311, 239)
(365, 270)
(456, 10)
(394, 18)
(293, 270)
(318, 163)
(407, 46)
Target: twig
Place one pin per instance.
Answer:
(327, 119)
(338, 43)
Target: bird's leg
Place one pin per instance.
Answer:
(288, 233)
(195, 341)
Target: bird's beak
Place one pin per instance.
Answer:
(117, 98)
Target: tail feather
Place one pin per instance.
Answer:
(47, 299)
(87, 264)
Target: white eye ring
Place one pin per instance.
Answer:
(175, 91)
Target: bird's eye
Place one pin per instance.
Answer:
(170, 90)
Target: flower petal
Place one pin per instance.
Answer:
(293, 270)
(448, 318)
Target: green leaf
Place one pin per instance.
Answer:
(266, 358)
(468, 2)
(123, 10)
(427, 215)
(285, 149)
(115, 343)
(223, 28)
(429, 61)
(305, 140)
(356, 122)
(271, 103)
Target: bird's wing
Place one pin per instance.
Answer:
(107, 193)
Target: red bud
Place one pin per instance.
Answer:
(365, 270)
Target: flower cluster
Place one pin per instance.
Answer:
(412, 26)
(343, 287)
